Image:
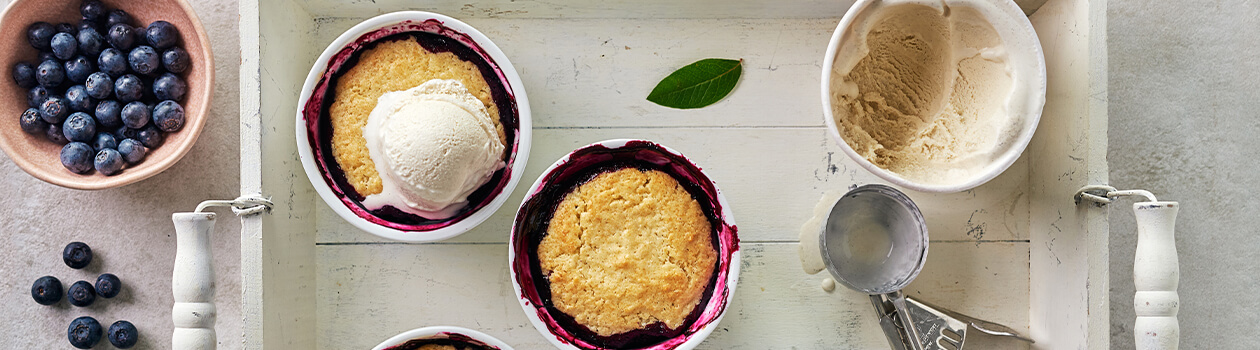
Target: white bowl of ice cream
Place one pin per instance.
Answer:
(934, 96)
(413, 126)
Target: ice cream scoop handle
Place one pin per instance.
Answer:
(192, 283)
(1155, 276)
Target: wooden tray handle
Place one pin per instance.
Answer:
(192, 282)
(1155, 275)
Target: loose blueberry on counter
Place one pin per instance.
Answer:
(135, 115)
(123, 334)
(78, 69)
(168, 116)
(54, 110)
(84, 332)
(99, 85)
(132, 151)
(24, 75)
(32, 122)
(36, 96)
(46, 290)
(54, 134)
(161, 35)
(40, 34)
(122, 37)
(108, 162)
(50, 74)
(67, 28)
(79, 127)
(91, 42)
(112, 62)
(77, 255)
(128, 88)
(108, 115)
(150, 136)
(144, 60)
(94, 11)
(103, 141)
(169, 87)
(118, 16)
(64, 46)
(81, 294)
(108, 285)
(78, 100)
(76, 157)
(176, 60)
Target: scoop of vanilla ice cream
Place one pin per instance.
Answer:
(433, 145)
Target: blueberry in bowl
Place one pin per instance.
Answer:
(78, 52)
(99, 85)
(24, 75)
(108, 161)
(144, 60)
(54, 110)
(78, 69)
(79, 127)
(50, 74)
(132, 151)
(91, 42)
(78, 99)
(113, 62)
(121, 36)
(33, 122)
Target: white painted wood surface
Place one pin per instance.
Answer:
(317, 282)
(1068, 257)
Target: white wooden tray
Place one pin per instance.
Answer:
(1014, 251)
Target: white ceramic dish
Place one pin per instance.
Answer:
(594, 157)
(1022, 44)
(374, 29)
(441, 332)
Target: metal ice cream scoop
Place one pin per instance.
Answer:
(875, 241)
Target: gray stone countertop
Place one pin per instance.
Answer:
(128, 228)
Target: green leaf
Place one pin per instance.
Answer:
(698, 84)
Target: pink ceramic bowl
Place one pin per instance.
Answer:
(40, 157)
(570, 171)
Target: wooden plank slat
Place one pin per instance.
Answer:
(599, 72)
(369, 292)
(773, 178)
